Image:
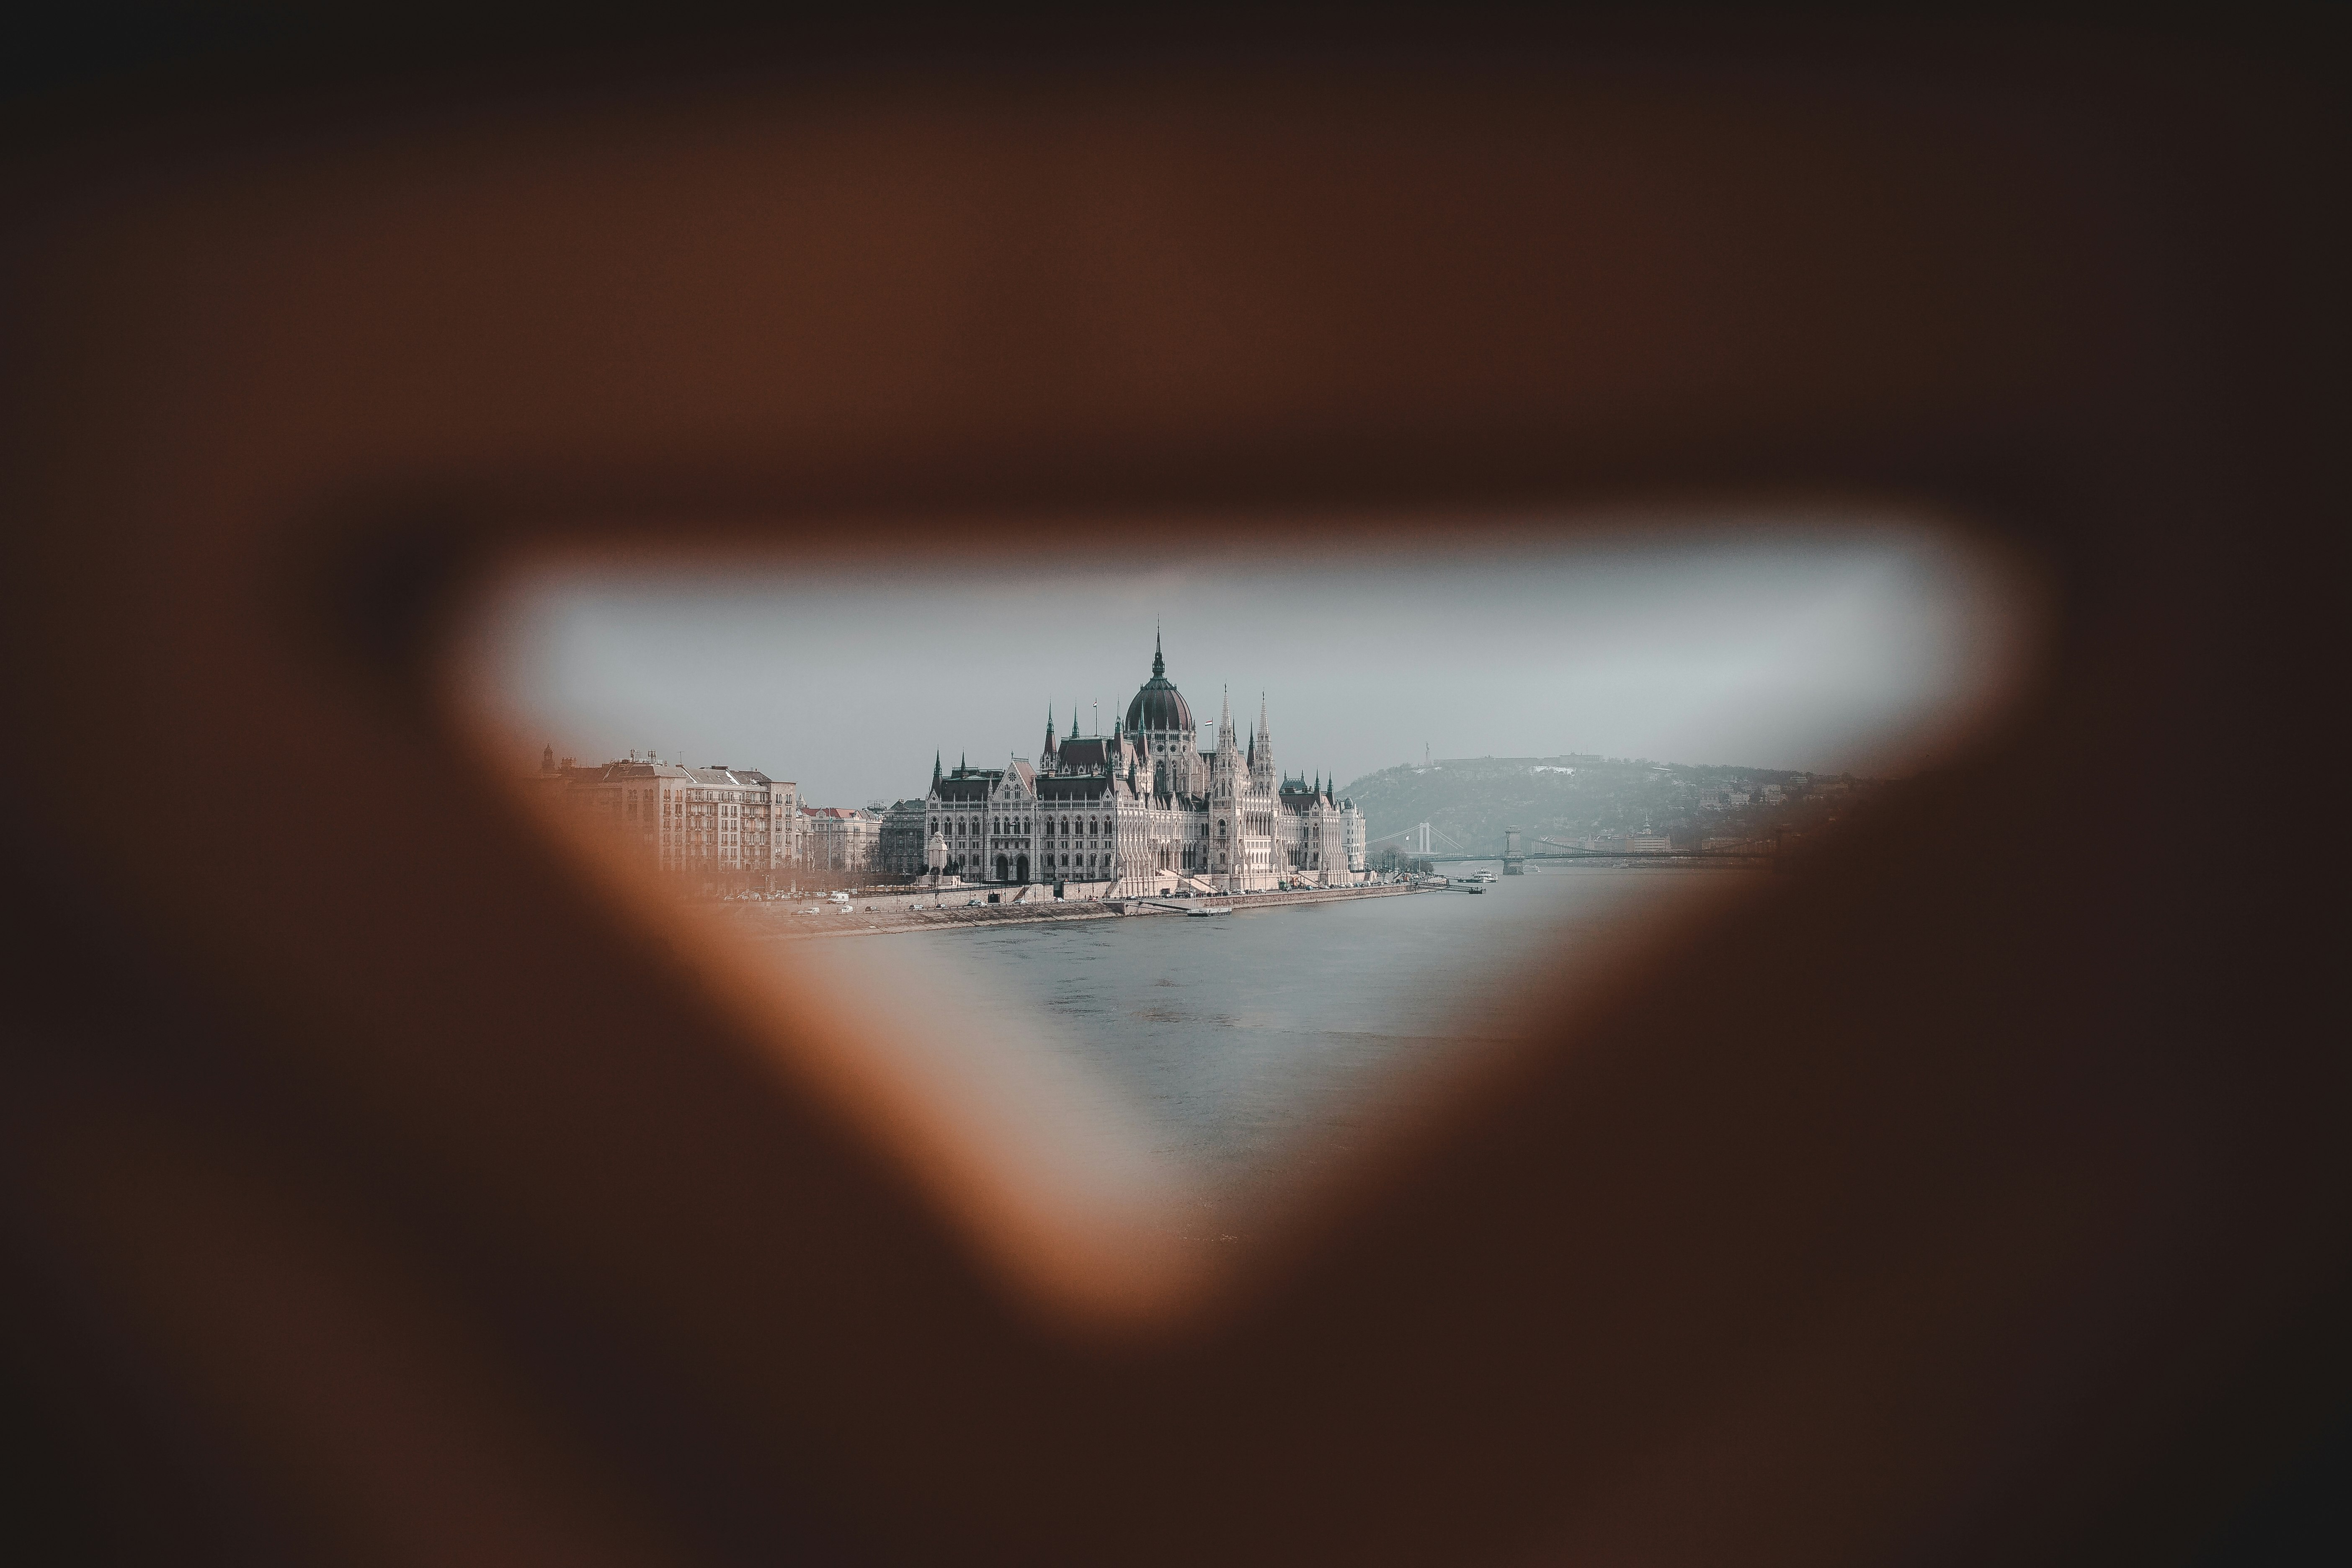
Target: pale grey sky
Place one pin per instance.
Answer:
(1826, 645)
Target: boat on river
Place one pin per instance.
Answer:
(1211, 910)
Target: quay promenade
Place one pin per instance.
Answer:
(898, 910)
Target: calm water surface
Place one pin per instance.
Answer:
(1259, 1044)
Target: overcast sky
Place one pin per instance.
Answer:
(1821, 646)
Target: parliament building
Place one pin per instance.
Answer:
(1144, 810)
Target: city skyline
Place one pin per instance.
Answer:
(1830, 649)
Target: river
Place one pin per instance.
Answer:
(1253, 1049)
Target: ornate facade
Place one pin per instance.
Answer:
(1144, 810)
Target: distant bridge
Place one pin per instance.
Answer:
(1421, 840)
(1726, 854)
(1513, 857)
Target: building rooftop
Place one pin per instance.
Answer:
(1158, 705)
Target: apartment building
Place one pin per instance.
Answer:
(717, 821)
(839, 837)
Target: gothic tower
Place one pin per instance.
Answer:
(1226, 771)
(1262, 775)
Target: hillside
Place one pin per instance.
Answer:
(1471, 800)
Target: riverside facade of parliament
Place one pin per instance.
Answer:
(1144, 810)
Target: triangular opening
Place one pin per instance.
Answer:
(1127, 999)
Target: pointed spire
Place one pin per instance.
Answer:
(1159, 665)
(935, 770)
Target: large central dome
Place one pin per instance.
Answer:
(1158, 705)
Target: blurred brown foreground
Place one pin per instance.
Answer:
(373, 1190)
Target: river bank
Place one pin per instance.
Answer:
(800, 919)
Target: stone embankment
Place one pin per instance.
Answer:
(899, 911)
(1242, 902)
